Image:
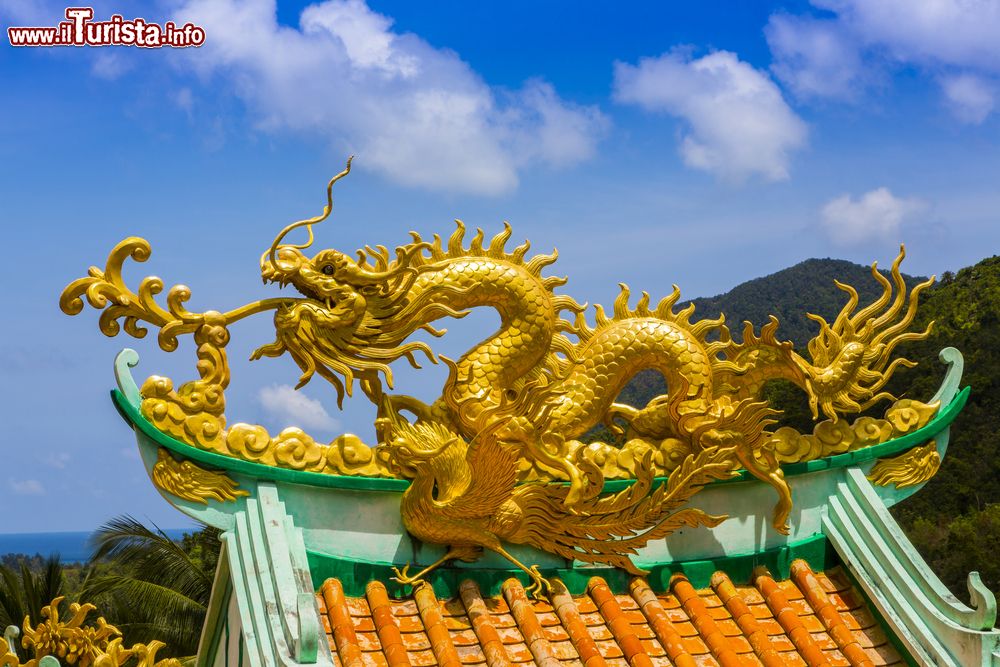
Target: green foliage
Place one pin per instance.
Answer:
(202, 547)
(24, 590)
(150, 586)
(141, 581)
(793, 404)
(955, 547)
(964, 493)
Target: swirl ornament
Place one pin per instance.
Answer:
(910, 468)
(527, 394)
(836, 437)
(186, 480)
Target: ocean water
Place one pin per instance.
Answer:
(72, 547)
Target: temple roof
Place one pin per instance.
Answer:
(811, 618)
(858, 592)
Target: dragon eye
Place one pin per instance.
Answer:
(327, 270)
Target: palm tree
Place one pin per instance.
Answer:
(151, 587)
(24, 592)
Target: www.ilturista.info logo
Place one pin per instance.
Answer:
(80, 30)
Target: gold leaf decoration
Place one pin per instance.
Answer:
(74, 643)
(186, 480)
(910, 468)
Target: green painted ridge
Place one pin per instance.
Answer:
(255, 623)
(130, 413)
(848, 534)
(261, 563)
(300, 626)
(217, 614)
(268, 520)
(890, 634)
(305, 604)
(260, 550)
(243, 602)
(355, 575)
(931, 621)
(907, 600)
(896, 547)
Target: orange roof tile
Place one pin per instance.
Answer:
(810, 619)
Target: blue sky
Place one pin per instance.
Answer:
(700, 143)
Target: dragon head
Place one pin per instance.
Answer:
(341, 329)
(852, 359)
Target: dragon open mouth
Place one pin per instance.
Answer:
(311, 297)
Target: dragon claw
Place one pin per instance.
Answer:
(540, 586)
(403, 576)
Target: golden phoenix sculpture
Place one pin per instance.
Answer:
(489, 459)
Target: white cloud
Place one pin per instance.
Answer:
(542, 124)
(814, 58)
(19, 12)
(738, 123)
(954, 40)
(184, 99)
(110, 65)
(969, 97)
(877, 214)
(58, 460)
(416, 113)
(26, 487)
(294, 408)
(365, 35)
(960, 33)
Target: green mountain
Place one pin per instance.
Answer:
(807, 287)
(955, 520)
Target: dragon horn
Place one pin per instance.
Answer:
(358, 275)
(311, 221)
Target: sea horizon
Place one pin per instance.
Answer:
(71, 546)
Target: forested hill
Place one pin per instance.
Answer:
(955, 520)
(789, 294)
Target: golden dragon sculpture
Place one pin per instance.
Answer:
(512, 415)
